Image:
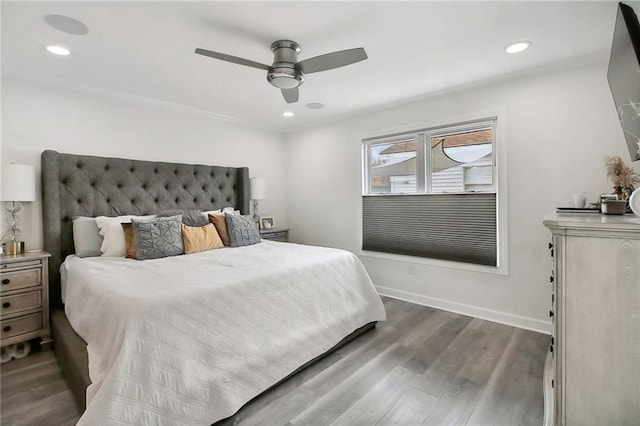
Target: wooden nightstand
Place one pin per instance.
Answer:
(275, 234)
(24, 298)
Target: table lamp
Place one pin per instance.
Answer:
(18, 185)
(258, 192)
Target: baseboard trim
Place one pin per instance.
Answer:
(518, 321)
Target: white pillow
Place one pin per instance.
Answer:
(206, 214)
(113, 235)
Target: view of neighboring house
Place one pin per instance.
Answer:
(459, 163)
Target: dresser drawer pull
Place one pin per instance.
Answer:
(6, 328)
(551, 313)
(6, 281)
(6, 304)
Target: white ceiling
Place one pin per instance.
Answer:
(414, 48)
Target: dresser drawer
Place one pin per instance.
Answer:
(20, 302)
(20, 325)
(21, 279)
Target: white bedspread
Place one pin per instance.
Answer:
(190, 339)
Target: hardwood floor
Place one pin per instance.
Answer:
(421, 367)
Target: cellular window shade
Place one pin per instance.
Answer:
(457, 227)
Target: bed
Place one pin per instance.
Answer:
(272, 309)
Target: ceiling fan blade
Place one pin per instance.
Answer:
(290, 95)
(332, 60)
(234, 59)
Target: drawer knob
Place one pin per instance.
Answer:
(6, 328)
(6, 304)
(6, 281)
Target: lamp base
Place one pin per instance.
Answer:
(13, 247)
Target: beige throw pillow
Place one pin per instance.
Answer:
(200, 238)
(220, 223)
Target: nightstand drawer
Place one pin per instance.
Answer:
(19, 265)
(276, 235)
(20, 302)
(22, 279)
(20, 325)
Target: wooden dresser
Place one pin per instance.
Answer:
(593, 369)
(24, 298)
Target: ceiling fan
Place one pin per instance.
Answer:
(286, 72)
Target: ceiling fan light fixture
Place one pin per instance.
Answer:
(58, 50)
(285, 78)
(283, 81)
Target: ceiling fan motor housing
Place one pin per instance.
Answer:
(284, 74)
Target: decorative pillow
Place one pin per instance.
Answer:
(207, 213)
(200, 238)
(220, 223)
(111, 231)
(129, 240)
(160, 237)
(189, 217)
(242, 230)
(86, 236)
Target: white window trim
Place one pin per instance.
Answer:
(500, 177)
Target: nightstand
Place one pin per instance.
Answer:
(275, 234)
(24, 298)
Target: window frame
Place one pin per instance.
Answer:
(499, 166)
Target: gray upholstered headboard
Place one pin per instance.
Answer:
(82, 185)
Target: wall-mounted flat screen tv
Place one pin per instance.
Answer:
(624, 76)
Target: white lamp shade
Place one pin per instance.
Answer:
(258, 188)
(18, 182)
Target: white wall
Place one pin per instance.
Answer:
(560, 126)
(36, 117)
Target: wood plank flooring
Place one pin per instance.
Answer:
(422, 366)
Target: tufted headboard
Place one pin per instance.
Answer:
(82, 185)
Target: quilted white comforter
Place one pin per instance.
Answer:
(190, 339)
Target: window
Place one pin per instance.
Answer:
(433, 193)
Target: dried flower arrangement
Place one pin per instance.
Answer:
(623, 177)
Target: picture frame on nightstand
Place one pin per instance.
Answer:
(266, 223)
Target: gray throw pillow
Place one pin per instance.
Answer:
(189, 217)
(86, 237)
(242, 230)
(159, 237)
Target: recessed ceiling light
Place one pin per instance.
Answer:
(58, 50)
(315, 105)
(517, 46)
(288, 114)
